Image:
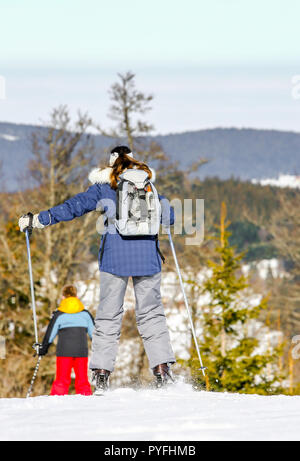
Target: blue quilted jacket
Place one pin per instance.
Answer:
(122, 256)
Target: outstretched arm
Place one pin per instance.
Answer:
(72, 208)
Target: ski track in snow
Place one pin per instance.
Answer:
(177, 413)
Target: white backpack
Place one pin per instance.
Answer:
(138, 209)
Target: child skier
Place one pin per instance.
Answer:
(71, 322)
(126, 182)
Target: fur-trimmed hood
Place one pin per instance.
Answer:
(102, 176)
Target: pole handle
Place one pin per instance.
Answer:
(29, 229)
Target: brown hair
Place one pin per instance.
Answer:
(123, 162)
(69, 291)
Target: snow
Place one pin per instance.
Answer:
(284, 180)
(177, 413)
(264, 267)
(9, 137)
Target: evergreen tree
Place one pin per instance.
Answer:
(235, 359)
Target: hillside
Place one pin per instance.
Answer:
(177, 413)
(240, 153)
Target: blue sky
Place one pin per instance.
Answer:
(208, 63)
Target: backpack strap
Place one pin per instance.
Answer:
(107, 220)
(119, 190)
(102, 247)
(158, 250)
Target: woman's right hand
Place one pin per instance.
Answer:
(24, 222)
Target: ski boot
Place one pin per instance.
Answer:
(100, 379)
(163, 375)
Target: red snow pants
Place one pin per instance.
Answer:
(62, 382)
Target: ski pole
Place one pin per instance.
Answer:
(27, 234)
(33, 378)
(36, 346)
(202, 368)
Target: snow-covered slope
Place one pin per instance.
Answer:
(177, 413)
(283, 180)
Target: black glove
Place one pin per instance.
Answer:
(43, 349)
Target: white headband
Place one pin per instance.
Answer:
(113, 157)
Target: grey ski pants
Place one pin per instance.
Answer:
(150, 317)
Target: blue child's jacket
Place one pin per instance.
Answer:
(71, 322)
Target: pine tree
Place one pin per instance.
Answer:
(235, 360)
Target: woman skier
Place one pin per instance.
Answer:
(121, 256)
(71, 322)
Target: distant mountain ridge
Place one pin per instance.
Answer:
(240, 153)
